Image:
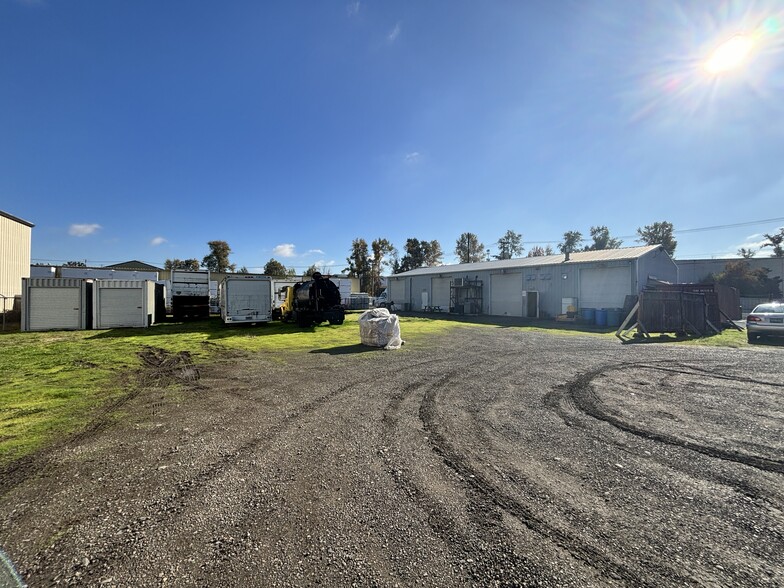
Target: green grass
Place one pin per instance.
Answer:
(53, 382)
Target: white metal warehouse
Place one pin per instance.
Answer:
(15, 238)
(534, 286)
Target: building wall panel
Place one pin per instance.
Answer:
(14, 256)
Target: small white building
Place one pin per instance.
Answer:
(50, 304)
(123, 303)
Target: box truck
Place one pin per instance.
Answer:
(246, 298)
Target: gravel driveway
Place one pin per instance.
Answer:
(485, 456)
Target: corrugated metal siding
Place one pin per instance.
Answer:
(15, 240)
(656, 264)
(53, 304)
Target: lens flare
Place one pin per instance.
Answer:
(729, 55)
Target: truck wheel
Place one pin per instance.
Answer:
(338, 321)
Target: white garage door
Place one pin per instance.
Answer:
(120, 307)
(506, 294)
(54, 308)
(397, 292)
(604, 287)
(440, 297)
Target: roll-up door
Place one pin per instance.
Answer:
(120, 307)
(54, 308)
(397, 292)
(506, 294)
(440, 295)
(604, 287)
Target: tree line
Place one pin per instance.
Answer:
(368, 262)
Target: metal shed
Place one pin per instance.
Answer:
(123, 303)
(56, 304)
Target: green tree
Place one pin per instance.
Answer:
(311, 270)
(510, 245)
(218, 258)
(571, 242)
(469, 249)
(75, 264)
(746, 253)
(539, 251)
(243, 270)
(191, 265)
(749, 282)
(418, 254)
(382, 250)
(602, 240)
(274, 268)
(659, 233)
(432, 253)
(359, 263)
(776, 240)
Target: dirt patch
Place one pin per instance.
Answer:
(484, 457)
(162, 367)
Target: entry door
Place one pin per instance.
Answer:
(531, 304)
(506, 294)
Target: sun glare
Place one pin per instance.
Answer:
(730, 55)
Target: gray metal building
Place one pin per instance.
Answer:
(534, 286)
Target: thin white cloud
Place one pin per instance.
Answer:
(394, 33)
(318, 251)
(352, 8)
(412, 157)
(157, 241)
(285, 250)
(82, 230)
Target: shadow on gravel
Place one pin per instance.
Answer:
(346, 349)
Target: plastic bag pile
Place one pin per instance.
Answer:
(379, 328)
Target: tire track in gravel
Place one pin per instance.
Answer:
(176, 502)
(508, 567)
(485, 491)
(485, 498)
(584, 398)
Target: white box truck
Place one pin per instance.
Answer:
(190, 294)
(246, 298)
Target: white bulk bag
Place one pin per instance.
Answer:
(378, 328)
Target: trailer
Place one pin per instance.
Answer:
(246, 298)
(190, 294)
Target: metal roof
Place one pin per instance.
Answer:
(624, 253)
(16, 218)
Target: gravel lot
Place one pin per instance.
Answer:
(481, 457)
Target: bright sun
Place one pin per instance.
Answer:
(729, 55)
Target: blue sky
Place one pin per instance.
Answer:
(143, 129)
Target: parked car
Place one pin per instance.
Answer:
(766, 319)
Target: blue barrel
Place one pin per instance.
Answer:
(588, 315)
(601, 317)
(614, 317)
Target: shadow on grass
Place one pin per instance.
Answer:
(346, 349)
(511, 321)
(213, 328)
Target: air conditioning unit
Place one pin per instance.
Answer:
(457, 282)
